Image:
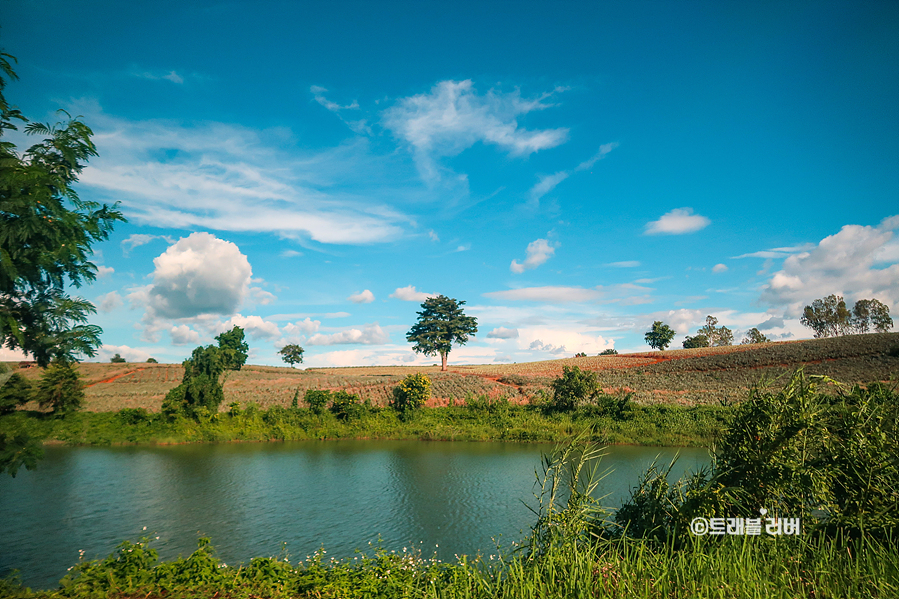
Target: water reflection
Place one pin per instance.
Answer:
(251, 498)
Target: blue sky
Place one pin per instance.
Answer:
(573, 171)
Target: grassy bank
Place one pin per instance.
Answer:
(479, 421)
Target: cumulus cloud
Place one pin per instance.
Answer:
(109, 301)
(295, 332)
(363, 297)
(775, 322)
(453, 117)
(184, 335)
(849, 263)
(562, 339)
(409, 294)
(103, 271)
(254, 325)
(538, 252)
(370, 335)
(677, 222)
(231, 178)
(503, 333)
(548, 294)
(719, 268)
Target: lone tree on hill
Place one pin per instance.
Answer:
(441, 323)
(660, 336)
(292, 354)
(46, 234)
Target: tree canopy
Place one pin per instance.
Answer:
(717, 336)
(659, 336)
(754, 335)
(829, 317)
(233, 349)
(291, 354)
(46, 234)
(441, 323)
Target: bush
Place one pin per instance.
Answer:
(117, 359)
(698, 341)
(60, 388)
(573, 387)
(412, 393)
(16, 391)
(152, 361)
(346, 406)
(317, 399)
(134, 415)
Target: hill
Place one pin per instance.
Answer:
(684, 377)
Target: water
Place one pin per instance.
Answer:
(446, 498)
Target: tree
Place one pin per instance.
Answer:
(117, 359)
(753, 335)
(717, 336)
(441, 323)
(699, 340)
(827, 317)
(868, 314)
(660, 336)
(609, 352)
(572, 387)
(292, 354)
(17, 451)
(14, 392)
(46, 234)
(412, 393)
(233, 349)
(60, 388)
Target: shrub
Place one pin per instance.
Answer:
(412, 392)
(317, 399)
(699, 340)
(16, 391)
(346, 406)
(60, 388)
(152, 361)
(134, 415)
(573, 387)
(117, 359)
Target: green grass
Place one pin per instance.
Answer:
(641, 425)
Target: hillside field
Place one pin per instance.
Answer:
(682, 377)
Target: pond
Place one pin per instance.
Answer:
(260, 499)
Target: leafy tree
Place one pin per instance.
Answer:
(292, 354)
(871, 313)
(441, 323)
(152, 361)
(827, 317)
(17, 451)
(699, 340)
(572, 387)
(660, 336)
(16, 391)
(753, 335)
(117, 359)
(609, 352)
(233, 349)
(412, 393)
(60, 388)
(46, 234)
(717, 336)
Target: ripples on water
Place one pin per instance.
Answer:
(442, 497)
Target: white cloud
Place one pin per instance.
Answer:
(184, 335)
(109, 301)
(261, 296)
(625, 264)
(290, 254)
(842, 264)
(603, 150)
(677, 222)
(547, 294)
(139, 239)
(363, 297)
(104, 271)
(253, 325)
(294, 332)
(538, 252)
(719, 268)
(777, 252)
(503, 333)
(172, 76)
(433, 236)
(545, 185)
(371, 335)
(409, 294)
(231, 178)
(359, 126)
(560, 339)
(453, 117)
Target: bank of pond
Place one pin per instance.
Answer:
(799, 497)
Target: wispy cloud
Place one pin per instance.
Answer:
(232, 178)
(360, 126)
(550, 294)
(624, 264)
(453, 117)
(677, 222)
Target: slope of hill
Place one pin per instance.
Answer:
(685, 377)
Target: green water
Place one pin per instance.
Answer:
(252, 499)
